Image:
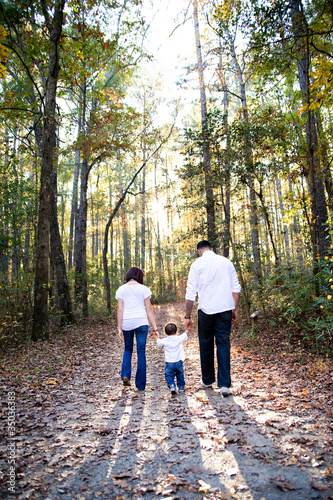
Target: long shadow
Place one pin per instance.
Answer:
(91, 468)
(251, 458)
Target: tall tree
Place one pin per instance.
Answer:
(210, 202)
(53, 18)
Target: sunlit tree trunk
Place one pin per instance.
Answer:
(159, 254)
(226, 194)
(285, 227)
(210, 203)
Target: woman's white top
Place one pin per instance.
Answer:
(134, 314)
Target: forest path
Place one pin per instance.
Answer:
(78, 434)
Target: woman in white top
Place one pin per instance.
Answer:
(134, 309)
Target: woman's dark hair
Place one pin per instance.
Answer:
(136, 274)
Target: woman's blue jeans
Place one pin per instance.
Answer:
(141, 340)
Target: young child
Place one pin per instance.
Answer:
(174, 357)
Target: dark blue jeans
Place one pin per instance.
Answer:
(141, 370)
(215, 326)
(173, 370)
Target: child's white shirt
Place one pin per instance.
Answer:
(173, 347)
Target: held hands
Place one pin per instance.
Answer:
(188, 324)
(155, 335)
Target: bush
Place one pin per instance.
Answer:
(305, 301)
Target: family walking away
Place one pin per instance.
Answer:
(214, 279)
(174, 357)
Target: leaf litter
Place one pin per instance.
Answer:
(80, 435)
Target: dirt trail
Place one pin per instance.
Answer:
(80, 435)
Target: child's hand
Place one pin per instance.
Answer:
(187, 331)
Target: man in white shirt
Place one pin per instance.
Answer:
(214, 278)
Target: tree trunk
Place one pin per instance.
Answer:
(326, 163)
(127, 260)
(257, 275)
(64, 296)
(285, 227)
(40, 326)
(319, 216)
(226, 195)
(210, 203)
(74, 214)
(143, 219)
(81, 286)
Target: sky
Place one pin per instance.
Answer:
(173, 49)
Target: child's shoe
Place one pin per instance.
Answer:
(173, 390)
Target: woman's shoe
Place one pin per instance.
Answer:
(126, 382)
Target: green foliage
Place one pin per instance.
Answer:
(15, 310)
(303, 302)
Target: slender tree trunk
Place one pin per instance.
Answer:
(159, 254)
(319, 216)
(81, 285)
(143, 220)
(210, 202)
(257, 275)
(285, 227)
(4, 225)
(40, 326)
(269, 226)
(74, 213)
(325, 161)
(16, 233)
(127, 260)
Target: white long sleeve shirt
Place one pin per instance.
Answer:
(214, 278)
(173, 347)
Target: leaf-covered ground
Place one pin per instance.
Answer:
(76, 433)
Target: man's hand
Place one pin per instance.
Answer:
(188, 324)
(234, 315)
(188, 310)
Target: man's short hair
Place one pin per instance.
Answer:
(170, 329)
(203, 244)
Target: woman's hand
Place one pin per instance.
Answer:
(155, 335)
(121, 335)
